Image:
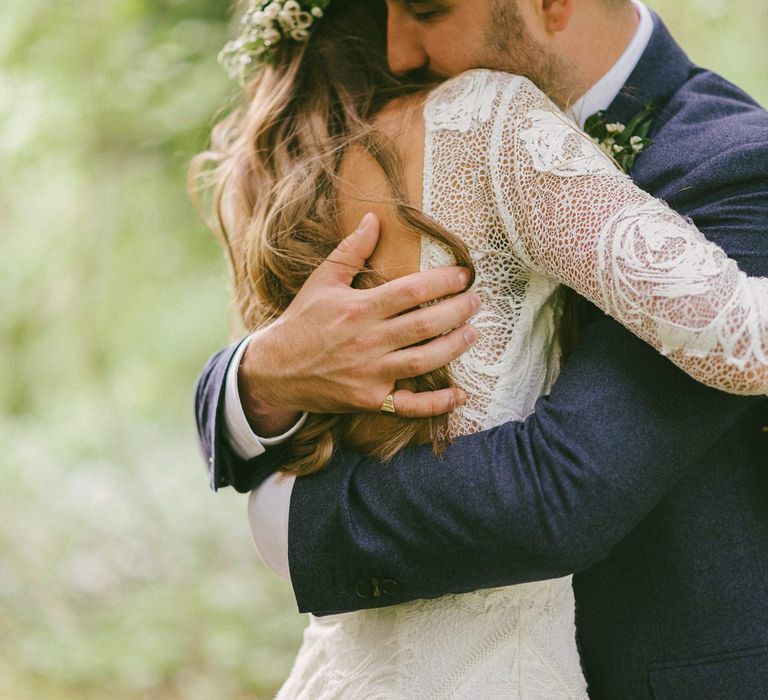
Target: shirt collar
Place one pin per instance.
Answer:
(604, 91)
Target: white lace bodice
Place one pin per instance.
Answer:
(538, 204)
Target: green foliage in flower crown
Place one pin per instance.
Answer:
(622, 142)
(266, 25)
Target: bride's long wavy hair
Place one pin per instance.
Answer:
(271, 176)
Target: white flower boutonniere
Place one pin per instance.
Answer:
(622, 142)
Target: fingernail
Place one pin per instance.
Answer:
(364, 221)
(464, 277)
(470, 336)
(475, 302)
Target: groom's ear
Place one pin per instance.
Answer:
(556, 14)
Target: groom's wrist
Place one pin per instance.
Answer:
(259, 388)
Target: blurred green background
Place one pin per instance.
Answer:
(120, 573)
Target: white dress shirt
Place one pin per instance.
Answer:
(269, 505)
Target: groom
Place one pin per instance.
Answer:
(651, 488)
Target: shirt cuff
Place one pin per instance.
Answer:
(244, 442)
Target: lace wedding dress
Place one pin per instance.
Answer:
(539, 204)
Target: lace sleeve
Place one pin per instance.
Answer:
(572, 214)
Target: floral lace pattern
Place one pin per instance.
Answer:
(538, 204)
(580, 221)
(555, 147)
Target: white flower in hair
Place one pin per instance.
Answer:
(264, 27)
(272, 10)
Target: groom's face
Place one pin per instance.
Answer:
(441, 38)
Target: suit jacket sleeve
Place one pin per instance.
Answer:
(225, 467)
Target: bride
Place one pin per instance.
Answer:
(486, 172)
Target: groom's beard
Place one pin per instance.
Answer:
(511, 48)
(525, 57)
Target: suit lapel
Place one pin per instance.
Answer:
(660, 73)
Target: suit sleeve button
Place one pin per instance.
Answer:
(363, 589)
(390, 587)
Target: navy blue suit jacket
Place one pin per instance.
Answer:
(652, 488)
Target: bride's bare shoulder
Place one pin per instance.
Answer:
(402, 119)
(363, 186)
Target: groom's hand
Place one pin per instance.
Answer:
(336, 349)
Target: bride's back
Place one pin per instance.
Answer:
(364, 187)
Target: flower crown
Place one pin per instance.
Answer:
(264, 26)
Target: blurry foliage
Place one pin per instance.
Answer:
(723, 35)
(120, 573)
(101, 106)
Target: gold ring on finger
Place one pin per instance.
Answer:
(388, 406)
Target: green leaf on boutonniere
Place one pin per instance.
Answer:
(622, 142)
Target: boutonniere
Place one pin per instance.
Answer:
(622, 142)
